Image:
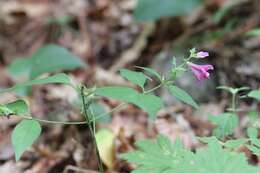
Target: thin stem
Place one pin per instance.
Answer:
(233, 102)
(153, 89)
(111, 111)
(53, 122)
(92, 120)
(185, 62)
(92, 131)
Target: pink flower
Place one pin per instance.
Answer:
(200, 71)
(202, 54)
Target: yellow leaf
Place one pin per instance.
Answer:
(105, 142)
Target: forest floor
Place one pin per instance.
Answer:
(105, 36)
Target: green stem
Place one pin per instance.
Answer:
(74, 122)
(185, 62)
(153, 89)
(233, 102)
(53, 122)
(111, 111)
(92, 131)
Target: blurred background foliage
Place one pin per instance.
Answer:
(100, 37)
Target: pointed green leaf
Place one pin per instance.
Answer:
(254, 32)
(254, 150)
(228, 89)
(162, 156)
(149, 103)
(235, 143)
(24, 135)
(18, 107)
(155, 9)
(151, 72)
(5, 111)
(255, 94)
(215, 159)
(119, 93)
(20, 67)
(255, 141)
(207, 140)
(52, 58)
(233, 90)
(59, 78)
(226, 124)
(252, 132)
(137, 78)
(99, 112)
(182, 95)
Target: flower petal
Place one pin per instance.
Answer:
(200, 71)
(202, 54)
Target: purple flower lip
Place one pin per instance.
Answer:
(202, 54)
(200, 71)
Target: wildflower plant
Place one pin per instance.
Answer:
(161, 156)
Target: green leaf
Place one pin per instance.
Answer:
(233, 90)
(106, 143)
(96, 110)
(149, 103)
(252, 114)
(215, 159)
(255, 94)
(226, 124)
(255, 141)
(59, 78)
(254, 32)
(226, 88)
(137, 78)
(252, 132)
(254, 150)
(163, 156)
(20, 67)
(5, 111)
(159, 156)
(52, 58)
(235, 143)
(150, 72)
(207, 140)
(24, 135)
(182, 96)
(18, 107)
(155, 9)
(119, 93)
